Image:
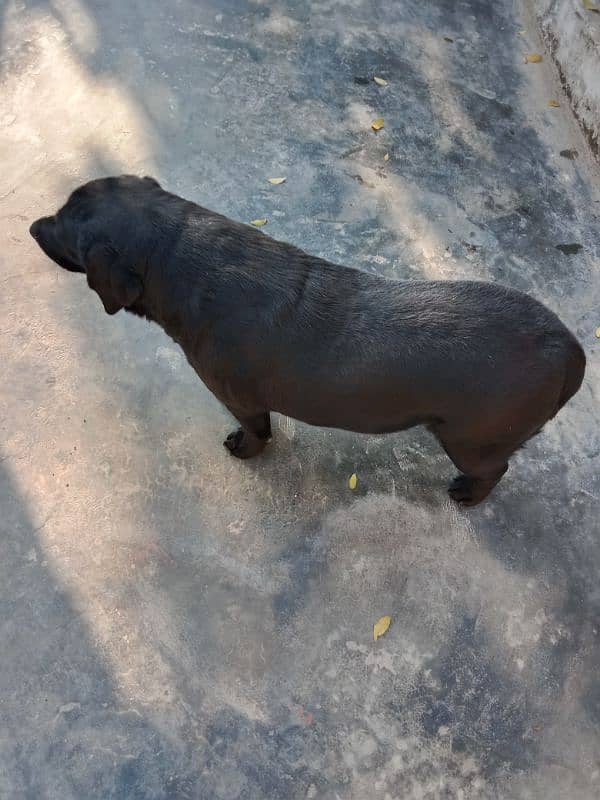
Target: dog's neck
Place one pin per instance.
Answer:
(182, 312)
(172, 324)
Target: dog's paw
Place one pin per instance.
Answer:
(468, 491)
(464, 491)
(241, 445)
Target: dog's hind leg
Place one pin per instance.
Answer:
(481, 466)
(252, 437)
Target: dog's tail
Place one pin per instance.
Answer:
(575, 370)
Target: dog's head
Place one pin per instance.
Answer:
(92, 234)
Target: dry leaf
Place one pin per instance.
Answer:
(381, 627)
(533, 58)
(377, 124)
(380, 81)
(276, 181)
(352, 481)
(553, 103)
(589, 6)
(386, 157)
(259, 222)
(597, 333)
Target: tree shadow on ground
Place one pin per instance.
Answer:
(232, 561)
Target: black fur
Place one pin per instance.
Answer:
(269, 328)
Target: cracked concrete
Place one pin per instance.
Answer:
(177, 624)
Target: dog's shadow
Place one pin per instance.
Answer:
(315, 465)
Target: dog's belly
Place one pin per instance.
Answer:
(369, 406)
(365, 423)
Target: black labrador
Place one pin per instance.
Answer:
(269, 328)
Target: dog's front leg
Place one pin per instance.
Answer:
(252, 437)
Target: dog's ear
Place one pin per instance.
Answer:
(113, 280)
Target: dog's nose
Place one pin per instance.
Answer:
(37, 226)
(34, 229)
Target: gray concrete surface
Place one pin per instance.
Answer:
(177, 624)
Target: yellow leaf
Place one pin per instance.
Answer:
(259, 222)
(553, 103)
(352, 481)
(597, 333)
(533, 58)
(381, 627)
(377, 124)
(386, 157)
(276, 181)
(380, 81)
(589, 6)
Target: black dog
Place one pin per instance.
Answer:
(269, 328)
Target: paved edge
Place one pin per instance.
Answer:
(572, 35)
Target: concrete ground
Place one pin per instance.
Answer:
(178, 624)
